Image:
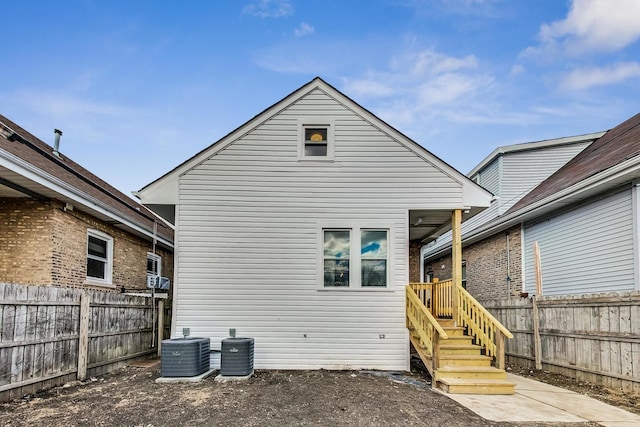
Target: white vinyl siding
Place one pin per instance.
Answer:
(586, 250)
(248, 223)
(523, 171)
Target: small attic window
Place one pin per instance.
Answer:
(316, 141)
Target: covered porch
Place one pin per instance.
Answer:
(460, 343)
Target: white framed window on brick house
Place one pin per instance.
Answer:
(316, 140)
(99, 258)
(464, 274)
(154, 264)
(355, 258)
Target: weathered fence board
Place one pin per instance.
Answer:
(41, 338)
(594, 338)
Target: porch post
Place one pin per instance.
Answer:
(456, 259)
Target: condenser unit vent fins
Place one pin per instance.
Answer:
(184, 357)
(236, 358)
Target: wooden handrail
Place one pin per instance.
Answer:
(485, 312)
(413, 298)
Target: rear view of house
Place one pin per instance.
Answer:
(295, 230)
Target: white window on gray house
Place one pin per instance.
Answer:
(154, 264)
(316, 140)
(373, 257)
(355, 258)
(337, 251)
(99, 257)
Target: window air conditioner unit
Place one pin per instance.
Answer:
(157, 282)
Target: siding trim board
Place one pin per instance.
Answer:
(635, 206)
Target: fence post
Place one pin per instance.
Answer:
(83, 344)
(537, 342)
(160, 325)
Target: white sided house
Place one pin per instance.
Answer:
(295, 229)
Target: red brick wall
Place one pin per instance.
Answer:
(486, 265)
(42, 244)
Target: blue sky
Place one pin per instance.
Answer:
(138, 86)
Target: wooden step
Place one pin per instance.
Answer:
(462, 340)
(456, 331)
(471, 372)
(458, 349)
(446, 323)
(463, 360)
(470, 386)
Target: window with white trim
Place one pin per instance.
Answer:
(464, 274)
(316, 141)
(99, 257)
(337, 252)
(355, 257)
(373, 257)
(154, 264)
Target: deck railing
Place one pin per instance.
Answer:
(487, 331)
(420, 319)
(426, 302)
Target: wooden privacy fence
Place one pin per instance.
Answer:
(594, 338)
(52, 335)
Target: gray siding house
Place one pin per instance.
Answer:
(509, 172)
(295, 229)
(585, 218)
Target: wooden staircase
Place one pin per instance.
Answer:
(463, 369)
(456, 363)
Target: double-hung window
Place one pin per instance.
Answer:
(99, 257)
(154, 264)
(337, 252)
(316, 140)
(355, 258)
(373, 257)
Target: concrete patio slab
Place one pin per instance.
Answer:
(539, 402)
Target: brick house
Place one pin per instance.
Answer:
(62, 225)
(492, 264)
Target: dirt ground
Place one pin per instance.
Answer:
(628, 401)
(130, 397)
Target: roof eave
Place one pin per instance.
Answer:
(526, 146)
(613, 177)
(58, 186)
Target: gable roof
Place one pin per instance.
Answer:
(156, 192)
(618, 145)
(607, 163)
(535, 145)
(29, 168)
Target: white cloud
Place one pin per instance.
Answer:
(430, 62)
(421, 85)
(303, 30)
(516, 70)
(591, 26)
(588, 77)
(269, 8)
(449, 88)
